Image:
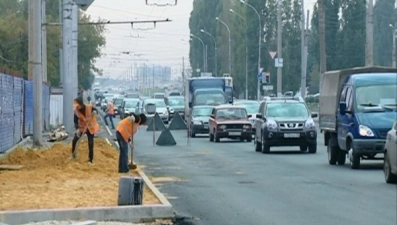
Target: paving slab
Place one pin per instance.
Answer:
(132, 214)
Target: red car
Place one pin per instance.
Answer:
(228, 121)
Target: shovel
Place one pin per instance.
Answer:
(132, 165)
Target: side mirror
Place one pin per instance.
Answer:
(190, 105)
(259, 115)
(249, 116)
(212, 116)
(314, 115)
(342, 108)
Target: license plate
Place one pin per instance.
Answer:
(292, 135)
(234, 133)
(205, 126)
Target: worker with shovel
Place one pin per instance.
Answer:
(125, 131)
(85, 122)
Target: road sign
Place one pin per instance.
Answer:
(278, 62)
(84, 4)
(272, 54)
(268, 87)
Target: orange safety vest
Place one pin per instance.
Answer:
(111, 108)
(87, 120)
(126, 129)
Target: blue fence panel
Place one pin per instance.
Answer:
(46, 107)
(28, 115)
(7, 112)
(18, 109)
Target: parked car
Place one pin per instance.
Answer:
(161, 109)
(228, 121)
(130, 105)
(390, 156)
(199, 120)
(285, 121)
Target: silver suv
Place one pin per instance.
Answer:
(285, 121)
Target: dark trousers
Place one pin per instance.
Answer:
(110, 118)
(90, 138)
(123, 156)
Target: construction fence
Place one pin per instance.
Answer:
(16, 110)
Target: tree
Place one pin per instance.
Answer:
(14, 41)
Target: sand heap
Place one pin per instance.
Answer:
(49, 179)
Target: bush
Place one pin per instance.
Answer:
(312, 99)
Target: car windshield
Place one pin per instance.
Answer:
(202, 111)
(231, 113)
(251, 107)
(159, 96)
(210, 99)
(289, 110)
(133, 95)
(158, 103)
(176, 101)
(131, 104)
(378, 97)
(118, 101)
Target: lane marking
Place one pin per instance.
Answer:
(117, 144)
(107, 140)
(108, 130)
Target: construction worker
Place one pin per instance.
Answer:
(124, 134)
(109, 114)
(85, 122)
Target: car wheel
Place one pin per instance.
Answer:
(242, 139)
(354, 159)
(192, 134)
(303, 148)
(390, 178)
(249, 139)
(332, 153)
(211, 137)
(217, 139)
(265, 147)
(341, 157)
(312, 148)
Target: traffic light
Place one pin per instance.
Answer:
(267, 78)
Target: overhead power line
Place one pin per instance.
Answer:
(116, 22)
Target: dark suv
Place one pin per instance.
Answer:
(285, 121)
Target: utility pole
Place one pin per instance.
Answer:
(305, 44)
(35, 64)
(323, 55)
(74, 64)
(44, 40)
(303, 31)
(369, 53)
(394, 46)
(60, 11)
(31, 39)
(279, 49)
(68, 92)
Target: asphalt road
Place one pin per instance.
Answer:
(228, 183)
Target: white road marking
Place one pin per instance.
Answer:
(108, 130)
(117, 144)
(107, 140)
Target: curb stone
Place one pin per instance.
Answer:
(131, 214)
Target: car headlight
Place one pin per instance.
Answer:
(222, 127)
(197, 122)
(365, 131)
(310, 123)
(247, 126)
(270, 124)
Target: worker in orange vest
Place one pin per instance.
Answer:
(109, 114)
(124, 134)
(85, 122)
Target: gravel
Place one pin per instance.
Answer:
(163, 222)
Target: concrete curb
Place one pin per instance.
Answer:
(131, 214)
(22, 142)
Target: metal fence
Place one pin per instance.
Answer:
(16, 109)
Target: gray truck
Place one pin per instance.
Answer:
(357, 109)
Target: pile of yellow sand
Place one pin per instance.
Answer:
(49, 179)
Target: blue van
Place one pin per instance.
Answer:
(365, 101)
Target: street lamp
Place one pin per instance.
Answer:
(230, 45)
(394, 63)
(216, 50)
(194, 36)
(260, 44)
(246, 52)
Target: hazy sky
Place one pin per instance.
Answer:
(165, 45)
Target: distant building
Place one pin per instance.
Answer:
(149, 75)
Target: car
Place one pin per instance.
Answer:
(252, 108)
(131, 95)
(130, 105)
(176, 104)
(117, 102)
(158, 95)
(174, 93)
(199, 120)
(229, 121)
(390, 156)
(161, 109)
(285, 121)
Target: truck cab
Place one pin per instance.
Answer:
(365, 109)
